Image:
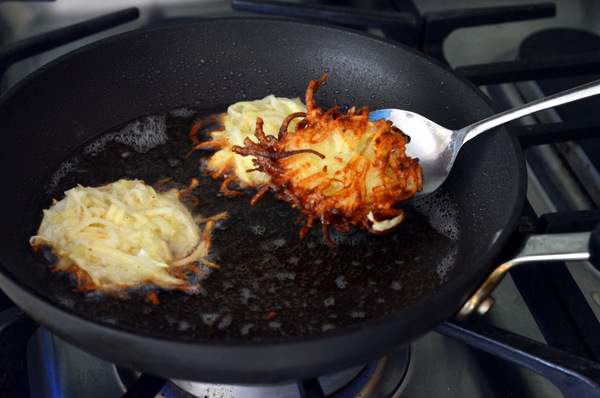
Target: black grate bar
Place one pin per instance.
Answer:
(558, 305)
(547, 133)
(576, 377)
(531, 69)
(575, 306)
(401, 25)
(145, 386)
(547, 310)
(310, 388)
(437, 25)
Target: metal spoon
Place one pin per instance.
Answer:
(437, 147)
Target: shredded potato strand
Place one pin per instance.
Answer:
(239, 124)
(340, 169)
(123, 235)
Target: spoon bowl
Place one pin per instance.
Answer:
(436, 147)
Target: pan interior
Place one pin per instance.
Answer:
(271, 283)
(356, 309)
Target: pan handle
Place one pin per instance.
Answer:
(576, 246)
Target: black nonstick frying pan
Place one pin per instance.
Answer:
(280, 307)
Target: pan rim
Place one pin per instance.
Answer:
(372, 323)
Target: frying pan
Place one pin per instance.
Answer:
(279, 307)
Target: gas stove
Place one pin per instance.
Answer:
(542, 337)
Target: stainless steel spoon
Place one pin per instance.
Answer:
(437, 147)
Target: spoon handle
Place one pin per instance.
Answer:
(571, 95)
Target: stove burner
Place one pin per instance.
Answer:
(382, 378)
(61, 369)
